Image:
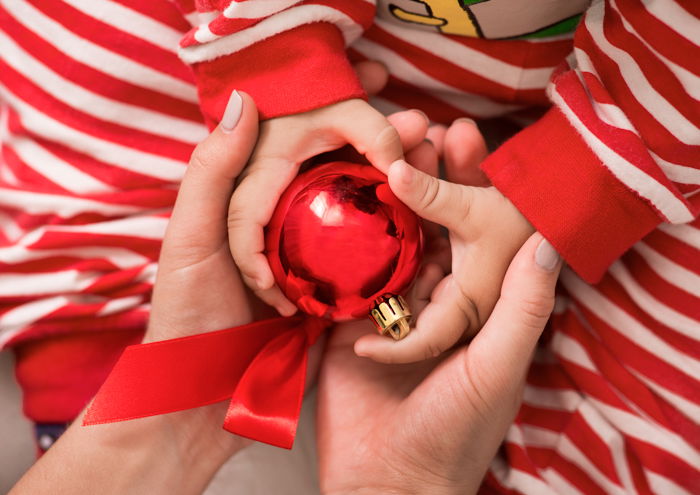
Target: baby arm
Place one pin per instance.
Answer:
(485, 232)
(291, 58)
(613, 158)
(285, 143)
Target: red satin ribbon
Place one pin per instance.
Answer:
(261, 367)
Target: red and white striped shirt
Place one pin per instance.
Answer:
(99, 117)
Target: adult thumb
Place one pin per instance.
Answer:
(500, 354)
(433, 199)
(489, 372)
(201, 207)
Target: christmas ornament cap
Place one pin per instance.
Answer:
(391, 315)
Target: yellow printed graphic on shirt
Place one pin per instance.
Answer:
(494, 19)
(446, 15)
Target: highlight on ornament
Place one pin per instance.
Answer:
(342, 246)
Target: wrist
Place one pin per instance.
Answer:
(176, 453)
(458, 475)
(172, 453)
(409, 487)
(199, 438)
(291, 72)
(463, 480)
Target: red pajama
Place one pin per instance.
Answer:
(102, 102)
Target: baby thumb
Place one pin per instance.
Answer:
(433, 199)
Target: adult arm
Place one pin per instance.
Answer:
(179, 452)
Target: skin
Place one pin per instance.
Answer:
(285, 144)
(485, 232)
(175, 453)
(404, 412)
(432, 426)
(178, 453)
(485, 229)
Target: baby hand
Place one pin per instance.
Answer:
(485, 231)
(284, 144)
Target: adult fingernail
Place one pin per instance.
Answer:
(233, 111)
(546, 256)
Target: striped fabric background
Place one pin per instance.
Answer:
(99, 115)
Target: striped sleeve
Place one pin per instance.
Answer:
(619, 152)
(98, 118)
(293, 52)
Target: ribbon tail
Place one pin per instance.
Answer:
(173, 375)
(267, 401)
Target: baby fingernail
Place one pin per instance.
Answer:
(466, 120)
(260, 283)
(233, 111)
(546, 256)
(422, 114)
(360, 350)
(286, 309)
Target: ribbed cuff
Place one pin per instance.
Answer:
(558, 183)
(292, 72)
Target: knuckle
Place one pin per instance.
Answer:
(470, 311)
(387, 138)
(270, 292)
(201, 158)
(492, 389)
(236, 218)
(248, 278)
(241, 249)
(430, 194)
(535, 311)
(465, 200)
(474, 384)
(432, 350)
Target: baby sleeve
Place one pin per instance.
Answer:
(288, 55)
(619, 151)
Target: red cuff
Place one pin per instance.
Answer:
(60, 375)
(292, 72)
(571, 198)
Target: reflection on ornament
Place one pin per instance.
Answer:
(339, 239)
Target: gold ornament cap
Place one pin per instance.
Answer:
(391, 315)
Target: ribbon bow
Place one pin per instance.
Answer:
(261, 367)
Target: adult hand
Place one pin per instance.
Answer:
(434, 426)
(197, 289)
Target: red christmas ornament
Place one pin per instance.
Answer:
(339, 239)
(337, 243)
